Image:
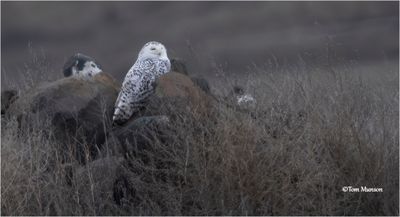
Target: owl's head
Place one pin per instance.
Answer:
(153, 50)
(81, 65)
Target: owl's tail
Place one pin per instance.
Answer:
(118, 117)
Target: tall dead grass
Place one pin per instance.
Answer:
(314, 131)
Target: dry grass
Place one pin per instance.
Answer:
(314, 131)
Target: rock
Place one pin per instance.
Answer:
(177, 93)
(137, 135)
(147, 122)
(179, 66)
(202, 83)
(146, 139)
(149, 176)
(76, 111)
(174, 93)
(153, 148)
(143, 142)
(7, 98)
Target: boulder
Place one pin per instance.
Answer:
(177, 93)
(179, 66)
(140, 126)
(202, 83)
(77, 111)
(145, 139)
(138, 136)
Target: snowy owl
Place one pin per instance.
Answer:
(138, 84)
(243, 99)
(81, 66)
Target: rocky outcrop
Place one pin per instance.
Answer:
(145, 139)
(77, 111)
(179, 66)
(176, 93)
(136, 136)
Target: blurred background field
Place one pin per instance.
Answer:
(211, 36)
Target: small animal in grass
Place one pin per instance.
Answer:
(242, 98)
(82, 66)
(138, 84)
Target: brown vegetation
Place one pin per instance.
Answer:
(313, 132)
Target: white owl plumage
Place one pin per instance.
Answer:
(81, 66)
(151, 63)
